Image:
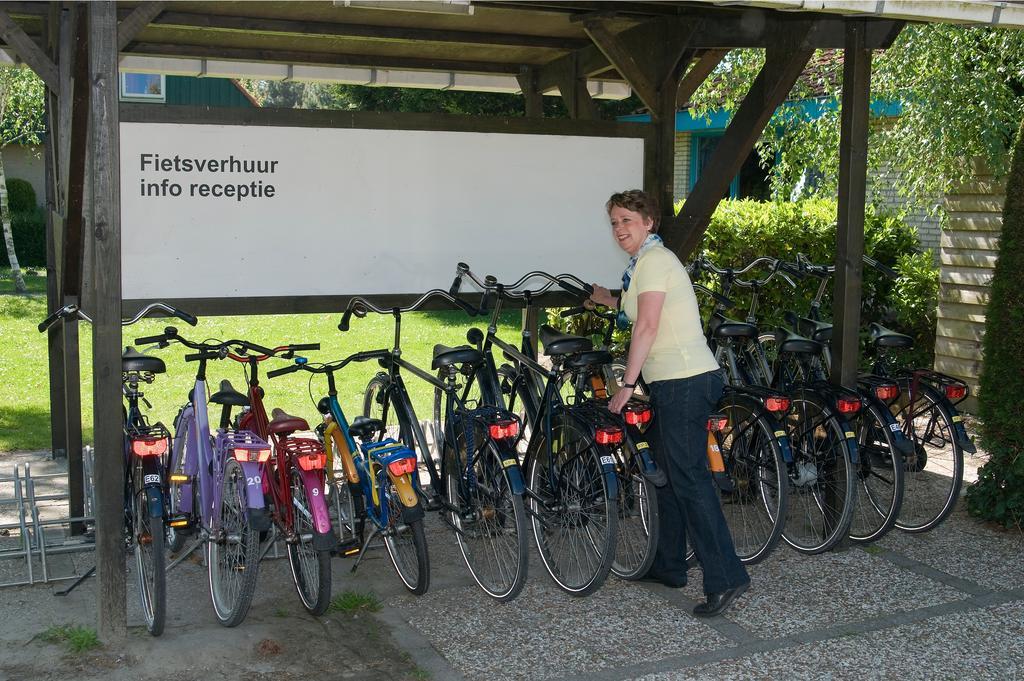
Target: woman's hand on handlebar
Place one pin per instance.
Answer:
(603, 296)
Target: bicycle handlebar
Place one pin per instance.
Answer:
(359, 306)
(329, 367)
(74, 310)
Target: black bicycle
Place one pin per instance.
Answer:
(146, 447)
(478, 487)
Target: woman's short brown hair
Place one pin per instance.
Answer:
(637, 201)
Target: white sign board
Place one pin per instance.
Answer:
(224, 211)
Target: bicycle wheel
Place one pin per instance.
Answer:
(384, 401)
(489, 519)
(637, 533)
(879, 481)
(932, 480)
(150, 566)
(406, 543)
(574, 520)
(311, 569)
(754, 489)
(515, 392)
(821, 478)
(175, 538)
(232, 554)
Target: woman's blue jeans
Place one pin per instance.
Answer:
(688, 506)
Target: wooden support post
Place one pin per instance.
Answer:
(27, 50)
(572, 84)
(783, 64)
(700, 71)
(853, 156)
(106, 236)
(534, 99)
(73, 250)
(55, 336)
(139, 18)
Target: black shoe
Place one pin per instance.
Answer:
(718, 602)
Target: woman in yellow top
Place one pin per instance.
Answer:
(685, 383)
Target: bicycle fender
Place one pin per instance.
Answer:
(510, 462)
(757, 406)
(406, 493)
(608, 467)
(155, 501)
(851, 438)
(253, 484)
(314, 485)
(959, 431)
(903, 444)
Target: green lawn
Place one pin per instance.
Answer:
(24, 403)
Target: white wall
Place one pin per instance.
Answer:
(366, 211)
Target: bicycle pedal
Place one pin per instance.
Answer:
(181, 523)
(349, 547)
(179, 479)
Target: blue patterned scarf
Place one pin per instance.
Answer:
(652, 240)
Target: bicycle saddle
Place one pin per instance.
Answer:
(365, 428)
(133, 360)
(445, 356)
(228, 395)
(589, 359)
(887, 338)
(811, 328)
(791, 342)
(722, 327)
(557, 343)
(285, 423)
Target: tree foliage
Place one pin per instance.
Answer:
(999, 493)
(22, 112)
(961, 94)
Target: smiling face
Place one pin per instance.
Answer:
(629, 228)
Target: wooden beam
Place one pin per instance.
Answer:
(572, 85)
(333, 29)
(853, 158)
(106, 236)
(588, 61)
(783, 64)
(697, 74)
(73, 251)
(136, 20)
(28, 50)
(626, 61)
(532, 97)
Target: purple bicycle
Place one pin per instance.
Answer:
(216, 486)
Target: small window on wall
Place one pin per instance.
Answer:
(148, 87)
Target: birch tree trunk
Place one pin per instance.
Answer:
(5, 217)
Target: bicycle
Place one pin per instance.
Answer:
(378, 481)
(821, 493)
(145, 483)
(293, 483)
(216, 482)
(930, 433)
(572, 453)
(478, 488)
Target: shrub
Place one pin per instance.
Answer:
(29, 229)
(998, 495)
(20, 195)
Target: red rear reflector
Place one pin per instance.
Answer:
(149, 446)
(402, 466)
(956, 392)
(716, 423)
(504, 430)
(639, 416)
(887, 392)
(847, 406)
(312, 462)
(777, 405)
(608, 436)
(247, 455)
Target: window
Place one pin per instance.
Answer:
(148, 87)
(752, 182)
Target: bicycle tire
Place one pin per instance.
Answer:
(557, 525)
(933, 481)
(232, 574)
(311, 568)
(150, 563)
(636, 537)
(880, 473)
(484, 508)
(406, 543)
(819, 511)
(754, 489)
(179, 450)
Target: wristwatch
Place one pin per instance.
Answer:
(629, 385)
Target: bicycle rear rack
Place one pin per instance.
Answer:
(33, 536)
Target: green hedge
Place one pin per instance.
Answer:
(20, 195)
(743, 230)
(29, 228)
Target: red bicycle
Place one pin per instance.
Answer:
(293, 485)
